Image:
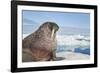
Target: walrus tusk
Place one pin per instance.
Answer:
(52, 33)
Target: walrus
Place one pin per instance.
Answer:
(40, 45)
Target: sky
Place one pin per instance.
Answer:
(65, 20)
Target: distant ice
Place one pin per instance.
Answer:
(73, 40)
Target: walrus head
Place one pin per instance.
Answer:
(50, 25)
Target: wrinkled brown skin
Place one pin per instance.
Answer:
(39, 46)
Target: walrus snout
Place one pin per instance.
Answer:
(54, 26)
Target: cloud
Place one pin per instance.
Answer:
(29, 21)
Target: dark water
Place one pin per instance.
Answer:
(83, 50)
